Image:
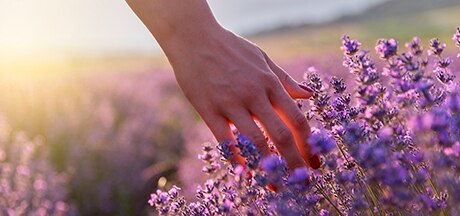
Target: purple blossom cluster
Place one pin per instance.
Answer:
(389, 146)
(456, 38)
(118, 132)
(28, 185)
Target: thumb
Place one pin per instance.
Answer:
(294, 89)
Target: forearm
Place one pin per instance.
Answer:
(176, 23)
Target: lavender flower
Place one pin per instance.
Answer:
(456, 37)
(376, 161)
(436, 48)
(386, 48)
(249, 151)
(29, 185)
(414, 47)
(321, 142)
(338, 85)
(349, 47)
(225, 150)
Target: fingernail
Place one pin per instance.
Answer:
(308, 181)
(315, 162)
(306, 88)
(272, 187)
(249, 174)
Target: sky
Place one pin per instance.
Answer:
(31, 27)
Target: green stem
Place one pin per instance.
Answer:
(329, 200)
(369, 191)
(430, 182)
(333, 188)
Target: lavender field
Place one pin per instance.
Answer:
(389, 146)
(111, 136)
(114, 138)
(123, 139)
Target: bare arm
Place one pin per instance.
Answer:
(229, 79)
(175, 23)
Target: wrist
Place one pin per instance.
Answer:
(194, 40)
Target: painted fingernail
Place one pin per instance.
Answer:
(249, 174)
(315, 161)
(272, 187)
(306, 88)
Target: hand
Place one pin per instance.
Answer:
(230, 80)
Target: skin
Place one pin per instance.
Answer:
(228, 79)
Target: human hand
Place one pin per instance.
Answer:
(230, 80)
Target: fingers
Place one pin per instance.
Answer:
(294, 89)
(280, 135)
(220, 128)
(290, 113)
(246, 126)
(296, 122)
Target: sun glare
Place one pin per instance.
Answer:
(46, 35)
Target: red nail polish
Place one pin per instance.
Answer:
(250, 175)
(308, 181)
(272, 187)
(315, 162)
(306, 88)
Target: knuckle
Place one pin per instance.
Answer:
(299, 121)
(226, 105)
(226, 100)
(252, 94)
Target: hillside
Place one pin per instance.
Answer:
(401, 8)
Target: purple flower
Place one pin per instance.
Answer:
(225, 150)
(420, 176)
(321, 142)
(349, 47)
(249, 151)
(271, 164)
(385, 133)
(395, 67)
(414, 47)
(394, 175)
(331, 161)
(370, 155)
(346, 176)
(453, 103)
(174, 192)
(444, 75)
(386, 48)
(456, 37)
(397, 139)
(275, 169)
(354, 133)
(444, 62)
(436, 48)
(299, 176)
(323, 212)
(338, 85)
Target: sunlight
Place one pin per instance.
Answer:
(69, 27)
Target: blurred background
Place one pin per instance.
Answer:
(90, 109)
